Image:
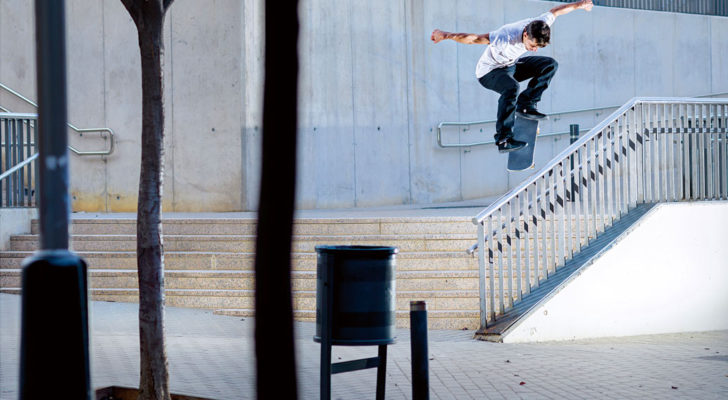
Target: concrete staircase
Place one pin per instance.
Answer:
(209, 262)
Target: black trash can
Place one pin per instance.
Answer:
(360, 281)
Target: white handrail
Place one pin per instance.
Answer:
(583, 139)
(649, 150)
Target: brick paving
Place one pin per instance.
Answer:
(213, 356)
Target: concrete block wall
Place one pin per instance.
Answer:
(372, 90)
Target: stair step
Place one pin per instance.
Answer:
(209, 262)
(230, 243)
(239, 245)
(213, 261)
(302, 226)
(245, 280)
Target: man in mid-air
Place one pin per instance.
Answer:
(500, 68)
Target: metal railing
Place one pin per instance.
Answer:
(466, 126)
(706, 7)
(19, 177)
(80, 131)
(649, 150)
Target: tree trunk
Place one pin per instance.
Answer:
(274, 338)
(153, 375)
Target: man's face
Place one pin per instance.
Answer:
(530, 43)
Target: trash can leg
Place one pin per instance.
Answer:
(381, 371)
(325, 369)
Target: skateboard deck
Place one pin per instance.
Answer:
(524, 130)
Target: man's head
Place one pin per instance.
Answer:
(537, 34)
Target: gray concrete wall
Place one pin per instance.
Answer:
(205, 90)
(14, 221)
(372, 90)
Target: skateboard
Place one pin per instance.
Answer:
(524, 130)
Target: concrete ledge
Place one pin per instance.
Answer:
(14, 221)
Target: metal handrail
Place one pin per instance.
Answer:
(78, 130)
(583, 139)
(18, 166)
(473, 144)
(649, 150)
(450, 145)
(547, 192)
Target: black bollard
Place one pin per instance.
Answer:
(54, 352)
(418, 341)
(54, 358)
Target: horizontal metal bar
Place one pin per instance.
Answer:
(441, 124)
(540, 136)
(458, 145)
(14, 115)
(19, 166)
(354, 365)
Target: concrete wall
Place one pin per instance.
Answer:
(14, 221)
(372, 88)
(667, 275)
(205, 99)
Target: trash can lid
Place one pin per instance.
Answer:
(357, 249)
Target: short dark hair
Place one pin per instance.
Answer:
(539, 31)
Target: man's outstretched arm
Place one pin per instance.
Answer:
(567, 8)
(466, 38)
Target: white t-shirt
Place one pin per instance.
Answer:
(506, 45)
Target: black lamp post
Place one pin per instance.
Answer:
(54, 357)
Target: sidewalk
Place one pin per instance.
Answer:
(213, 356)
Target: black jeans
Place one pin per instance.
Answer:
(505, 81)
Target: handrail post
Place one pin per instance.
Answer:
(481, 277)
(573, 137)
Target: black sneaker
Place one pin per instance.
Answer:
(531, 113)
(510, 144)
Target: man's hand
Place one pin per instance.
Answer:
(562, 9)
(586, 5)
(437, 36)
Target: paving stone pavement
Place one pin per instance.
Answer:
(213, 356)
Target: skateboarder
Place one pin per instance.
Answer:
(500, 68)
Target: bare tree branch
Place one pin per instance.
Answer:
(133, 8)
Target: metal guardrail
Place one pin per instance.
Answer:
(649, 150)
(18, 153)
(80, 131)
(469, 124)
